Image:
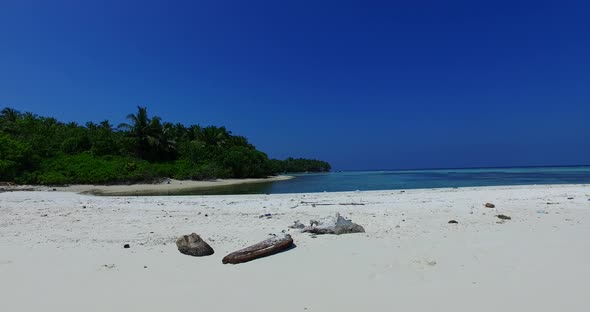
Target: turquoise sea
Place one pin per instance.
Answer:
(410, 179)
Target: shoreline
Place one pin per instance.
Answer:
(536, 261)
(169, 186)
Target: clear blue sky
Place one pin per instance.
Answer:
(365, 85)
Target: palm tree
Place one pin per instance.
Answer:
(214, 136)
(152, 141)
(194, 132)
(9, 114)
(138, 122)
(139, 128)
(105, 124)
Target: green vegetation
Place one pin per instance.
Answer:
(42, 150)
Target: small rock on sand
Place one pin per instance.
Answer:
(193, 245)
(126, 246)
(503, 217)
(453, 222)
(296, 225)
(266, 215)
(490, 205)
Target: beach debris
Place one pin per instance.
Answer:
(453, 222)
(296, 225)
(490, 205)
(542, 211)
(265, 248)
(109, 266)
(570, 198)
(503, 217)
(333, 225)
(266, 215)
(424, 263)
(126, 246)
(313, 204)
(193, 245)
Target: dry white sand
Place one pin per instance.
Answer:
(64, 252)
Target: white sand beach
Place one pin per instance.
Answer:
(62, 251)
(170, 186)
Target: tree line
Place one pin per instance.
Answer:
(41, 150)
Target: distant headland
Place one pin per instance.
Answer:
(42, 150)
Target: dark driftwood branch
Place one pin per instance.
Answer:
(265, 248)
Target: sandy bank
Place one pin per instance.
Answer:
(170, 186)
(64, 252)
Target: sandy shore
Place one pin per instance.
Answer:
(169, 186)
(63, 251)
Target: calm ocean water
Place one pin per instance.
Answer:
(410, 179)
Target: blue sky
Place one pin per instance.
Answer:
(363, 85)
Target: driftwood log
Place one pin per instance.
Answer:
(265, 248)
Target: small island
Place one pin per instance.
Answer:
(37, 150)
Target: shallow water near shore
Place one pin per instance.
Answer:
(406, 179)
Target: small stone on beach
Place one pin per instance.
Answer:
(126, 246)
(296, 225)
(453, 222)
(193, 245)
(503, 217)
(490, 205)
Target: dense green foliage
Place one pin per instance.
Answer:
(42, 150)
